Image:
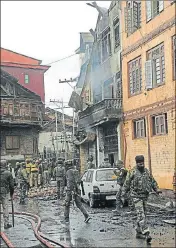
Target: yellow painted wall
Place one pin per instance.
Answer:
(163, 146)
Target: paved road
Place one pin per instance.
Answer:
(104, 230)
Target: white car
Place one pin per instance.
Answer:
(100, 185)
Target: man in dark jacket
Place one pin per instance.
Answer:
(6, 186)
(72, 182)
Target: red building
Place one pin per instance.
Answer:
(27, 70)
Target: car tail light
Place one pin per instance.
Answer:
(96, 189)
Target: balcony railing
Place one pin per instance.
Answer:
(101, 112)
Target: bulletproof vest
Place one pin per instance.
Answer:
(122, 176)
(141, 182)
(59, 171)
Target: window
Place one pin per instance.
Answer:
(26, 78)
(5, 110)
(139, 128)
(12, 142)
(105, 175)
(35, 145)
(135, 76)
(105, 44)
(116, 32)
(153, 8)
(155, 67)
(174, 55)
(159, 123)
(132, 16)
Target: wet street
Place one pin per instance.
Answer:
(104, 230)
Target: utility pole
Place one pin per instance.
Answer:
(63, 124)
(56, 135)
(73, 87)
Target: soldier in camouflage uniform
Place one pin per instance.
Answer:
(121, 176)
(140, 183)
(24, 182)
(6, 186)
(59, 174)
(73, 181)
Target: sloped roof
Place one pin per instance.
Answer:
(14, 57)
(87, 37)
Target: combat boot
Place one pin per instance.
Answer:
(7, 226)
(87, 218)
(148, 237)
(140, 236)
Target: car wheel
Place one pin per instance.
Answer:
(92, 202)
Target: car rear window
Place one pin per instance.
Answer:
(105, 175)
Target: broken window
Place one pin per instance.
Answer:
(174, 55)
(26, 78)
(155, 67)
(153, 8)
(110, 138)
(12, 142)
(116, 32)
(135, 76)
(105, 44)
(159, 123)
(132, 16)
(139, 128)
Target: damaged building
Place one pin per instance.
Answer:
(21, 120)
(99, 102)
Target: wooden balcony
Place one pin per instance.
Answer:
(21, 112)
(101, 112)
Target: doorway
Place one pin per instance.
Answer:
(111, 159)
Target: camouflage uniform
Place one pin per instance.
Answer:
(73, 181)
(23, 180)
(140, 183)
(59, 173)
(6, 186)
(121, 176)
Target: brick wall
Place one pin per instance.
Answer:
(162, 150)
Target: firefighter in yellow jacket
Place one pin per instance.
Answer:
(34, 174)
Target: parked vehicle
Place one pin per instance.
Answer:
(100, 185)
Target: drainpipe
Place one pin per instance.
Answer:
(97, 148)
(148, 145)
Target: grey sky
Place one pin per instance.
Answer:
(48, 30)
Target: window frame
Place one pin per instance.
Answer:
(153, 14)
(135, 129)
(89, 179)
(12, 146)
(155, 125)
(26, 80)
(130, 71)
(105, 42)
(129, 17)
(151, 56)
(116, 24)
